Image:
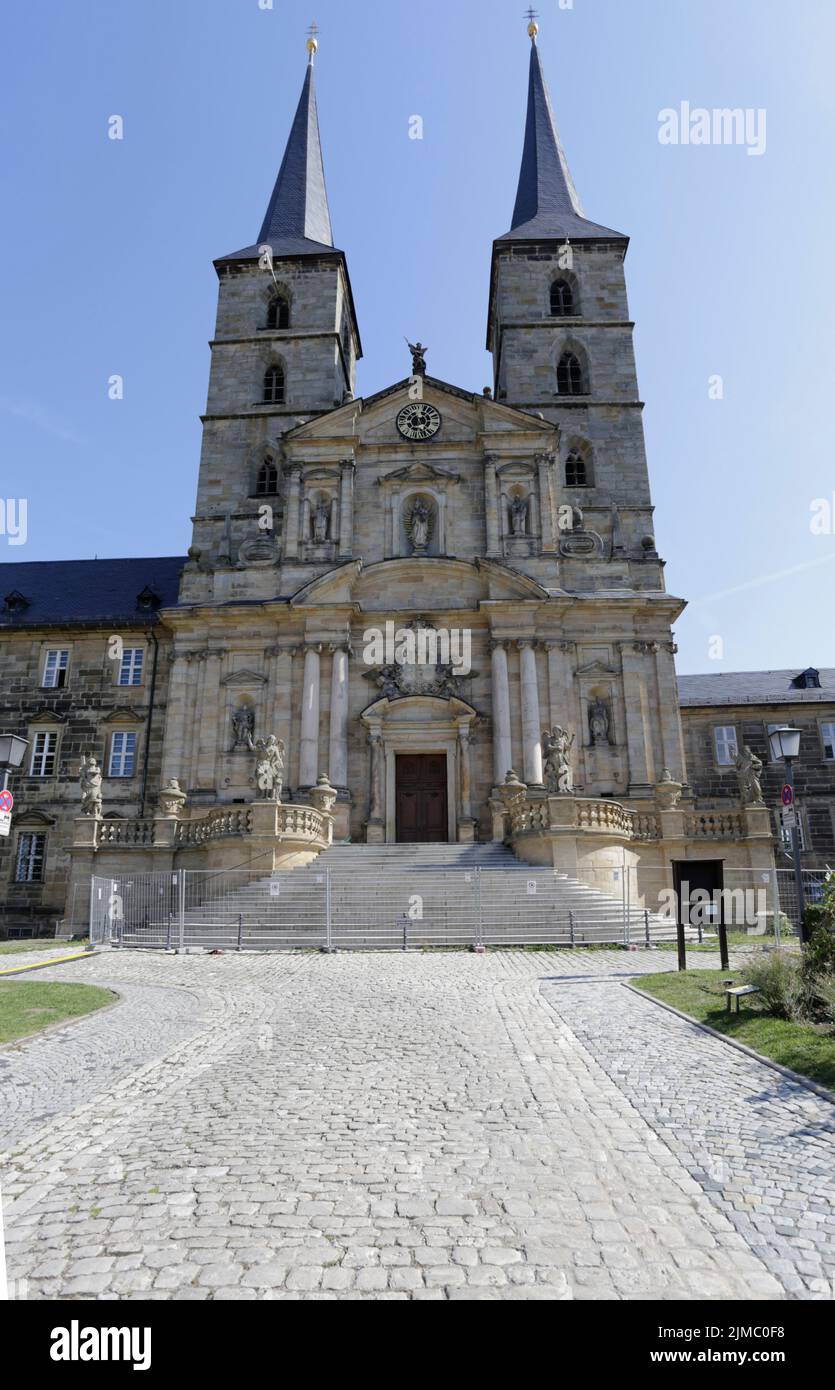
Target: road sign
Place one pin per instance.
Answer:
(790, 820)
(787, 795)
(6, 801)
(5, 822)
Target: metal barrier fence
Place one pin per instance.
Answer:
(330, 908)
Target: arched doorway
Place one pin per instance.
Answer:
(419, 770)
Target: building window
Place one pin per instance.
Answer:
(562, 300)
(576, 470)
(786, 834)
(122, 755)
(44, 751)
(130, 671)
(278, 312)
(808, 680)
(828, 739)
(725, 745)
(266, 484)
(570, 376)
(274, 384)
(55, 667)
(31, 852)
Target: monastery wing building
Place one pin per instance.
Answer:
(429, 615)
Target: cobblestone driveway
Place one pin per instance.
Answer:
(384, 1126)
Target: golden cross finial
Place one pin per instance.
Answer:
(313, 41)
(533, 28)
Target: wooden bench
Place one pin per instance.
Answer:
(738, 992)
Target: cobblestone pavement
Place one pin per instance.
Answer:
(368, 1126)
(760, 1145)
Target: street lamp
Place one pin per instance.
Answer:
(785, 745)
(12, 752)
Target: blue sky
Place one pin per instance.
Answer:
(109, 248)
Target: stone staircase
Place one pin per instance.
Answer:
(404, 896)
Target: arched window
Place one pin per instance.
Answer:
(562, 300)
(570, 376)
(576, 470)
(266, 484)
(278, 312)
(274, 384)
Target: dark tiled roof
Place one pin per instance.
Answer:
(298, 220)
(547, 204)
(87, 591)
(754, 688)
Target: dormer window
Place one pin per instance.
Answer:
(16, 602)
(148, 601)
(808, 680)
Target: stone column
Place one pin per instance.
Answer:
(209, 721)
(465, 777)
(672, 739)
(375, 830)
(491, 511)
(638, 726)
(174, 749)
(531, 723)
(346, 508)
(309, 743)
(502, 746)
(291, 528)
(546, 508)
(338, 742)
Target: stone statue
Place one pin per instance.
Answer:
(557, 744)
(269, 766)
(90, 778)
(418, 351)
(519, 516)
(243, 726)
(387, 681)
(599, 723)
(748, 771)
(321, 521)
(419, 525)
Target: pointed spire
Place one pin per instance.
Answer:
(548, 206)
(297, 221)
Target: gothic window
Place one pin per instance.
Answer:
(576, 470)
(266, 484)
(562, 300)
(570, 376)
(274, 384)
(278, 312)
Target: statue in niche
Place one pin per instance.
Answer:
(557, 744)
(599, 723)
(321, 521)
(90, 778)
(519, 507)
(243, 727)
(749, 771)
(269, 766)
(419, 525)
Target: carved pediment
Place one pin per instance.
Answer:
(244, 677)
(32, 816)
(596, 668)
(48, 716)
(421, 472)
(123, 715)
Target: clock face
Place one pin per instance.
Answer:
(419, 421)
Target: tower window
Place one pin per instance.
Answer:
(266, 484)
(570, 376)
(576, 470)
(274, 384)
(562, 300)
(278, 312)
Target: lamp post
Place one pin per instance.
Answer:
(12, 752)
(785, 744)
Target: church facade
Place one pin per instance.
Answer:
(446, 607)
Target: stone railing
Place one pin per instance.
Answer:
(582, 814)
(715, 825)
(219, 823)
(302, 823)
(125, 834)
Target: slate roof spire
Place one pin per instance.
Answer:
(548, 206)
(298, 221)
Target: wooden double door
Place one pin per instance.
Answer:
(421, 790)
